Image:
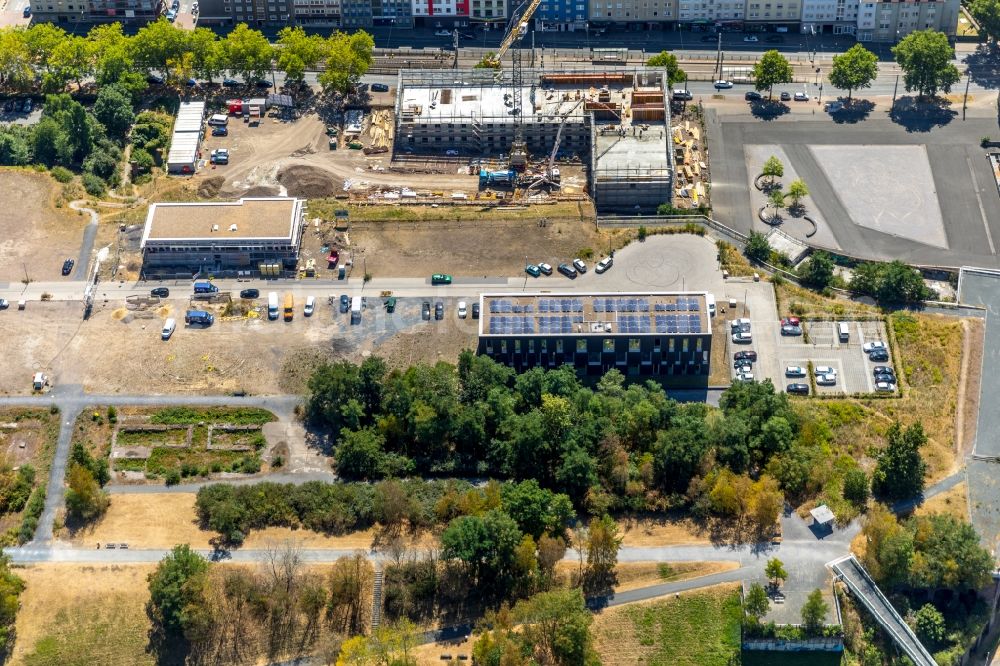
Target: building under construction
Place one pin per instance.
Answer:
(615, 122)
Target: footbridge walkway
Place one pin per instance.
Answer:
(861, 585)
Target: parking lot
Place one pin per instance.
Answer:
(819, 344)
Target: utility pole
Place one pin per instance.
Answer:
(894, 88)
(718, 55)
(532, 48)
(965, 100)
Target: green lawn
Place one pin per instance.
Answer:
(697, 629)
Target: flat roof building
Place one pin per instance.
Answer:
(249, 236)
(638, 333)
(185, 143)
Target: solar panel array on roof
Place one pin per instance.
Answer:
(683, 304)
(685, 323)
(560, 305)
(633, 323)
(621, 305)
(558, 324)
(502, 324)
(502, 306)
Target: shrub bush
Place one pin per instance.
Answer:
(94, 185)
(62, 174)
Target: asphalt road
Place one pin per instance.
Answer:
(984, 289)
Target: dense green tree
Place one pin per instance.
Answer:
(668, 62)
(854, 69)
(797, 191)
(15, 58)
(248, 53)
(84, 498)
(987, 15)
(207, 55)
(113, 109)
(756, 603)
(928, 622)
(157, 44)
(11, 586)
(894, 282)
(603, 542)
(900, 469)
(298, 52)
(557, 627)
(775, 571)
(814, 613)
(947, 554)
(361, 454)
(75, 127)
(757, 248)
(348, 57)
(177, 591)
(856, 487)
(486, 544)
(817, 272)
(773, 169)
(16, 144)
(925, 57)
(536, 510)
(678, 452)
(770, 70)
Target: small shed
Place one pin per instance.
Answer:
(183, 155)
(256, 107)
(822, 517)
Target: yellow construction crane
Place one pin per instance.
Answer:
(517, 29)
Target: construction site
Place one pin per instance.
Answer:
(522, 128)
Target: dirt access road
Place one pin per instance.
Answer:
(35, 236)
(293, 157)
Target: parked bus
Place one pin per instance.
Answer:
(289, 307)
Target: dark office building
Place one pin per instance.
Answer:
(640, 334)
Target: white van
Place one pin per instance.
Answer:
(272, 305)
(843, 331)
(356, 310)
(710, 299)
(310, 306)
(168, 328)
(218, 120)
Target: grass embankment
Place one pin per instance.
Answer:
(796, 300)
(325, 208)
(697, 629)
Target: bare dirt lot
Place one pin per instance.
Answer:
(114, 352)
(35, 236)
(259, 155)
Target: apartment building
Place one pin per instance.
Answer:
(709, 11)
(565, 15)
(127, 12)
(891, 21)
(255, 13)
(440, 13)
(775, 13)
(651, 13)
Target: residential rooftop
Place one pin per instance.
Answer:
(596, 314)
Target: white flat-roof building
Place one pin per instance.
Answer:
(186, 139)
(255, 235)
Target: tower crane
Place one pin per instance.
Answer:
(515, 32)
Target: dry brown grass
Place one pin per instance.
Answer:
(635, 575)
(793, 299)
(661, 531)
(78, 614)
(163, 520)
(954, 502)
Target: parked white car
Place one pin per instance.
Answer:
(869, 347)
(824, 370)
(826, 380)
(884, 387)
(744, 377)
(463, 310)
(604, 264)
(742, 338)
